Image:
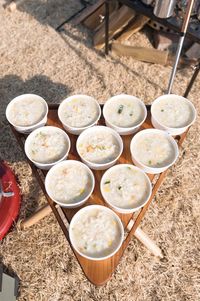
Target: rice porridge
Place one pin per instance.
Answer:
(96, 233)
(48, 145)
(125, 186)
(27, 111)
(124, 112)
(69, 183)
(173, 113)
(154, 150)
(79, 111)
(99, 147)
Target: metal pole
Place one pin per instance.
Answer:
(173, 73)
(180, 44)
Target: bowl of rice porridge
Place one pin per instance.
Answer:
(172, 113)
(153, 150)
(96, 232)
(79, 112)
(124, 113)
(46, 146)
(125, 188)
(27, 112)
(69, 183)
(99, 147)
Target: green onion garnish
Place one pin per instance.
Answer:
(107, 182)
(120, 109)
(119, 187)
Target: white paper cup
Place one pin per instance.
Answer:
(117, 244)
(92, 131)
(124, 130)
(44, 129)
(27, 129)
(77, 130)
(158, 124)
(69, 163)
(148, 169)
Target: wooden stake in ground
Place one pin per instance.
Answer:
(118, 20)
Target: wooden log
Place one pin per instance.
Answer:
(145, 240)
(141, 53)
(36, 217)
(13, 5)
(118, 20)
(148, 242)
(96, 18)
(87, 12)
(194, 51)
(138, 24)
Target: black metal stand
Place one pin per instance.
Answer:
(107, 26)
(192, 80)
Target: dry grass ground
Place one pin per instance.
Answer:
(35, 58)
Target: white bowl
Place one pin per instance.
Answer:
(45, 129)
(102, 234)
(24, 98)
(110, 106)
(92, 132)
(120, 183)
(79, 129)
(162, 101)
(71, 181)
(154, 169)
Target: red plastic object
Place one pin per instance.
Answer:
(9, 206)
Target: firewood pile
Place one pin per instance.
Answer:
(124, 22)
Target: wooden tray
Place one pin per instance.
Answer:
(97, 272)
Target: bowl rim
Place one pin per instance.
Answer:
(126, 96)
(31, 135)
(172, 140)
(157, 100)
(99, 127)
(17, 98)
(65, 162)
(70, 98)
(100, 207)
(127, 210)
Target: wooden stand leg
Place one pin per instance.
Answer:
(36, 217)
(149, 243)
(146, 240)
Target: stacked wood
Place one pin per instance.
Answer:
(137, 25)
(118, 20)
(94, 21)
